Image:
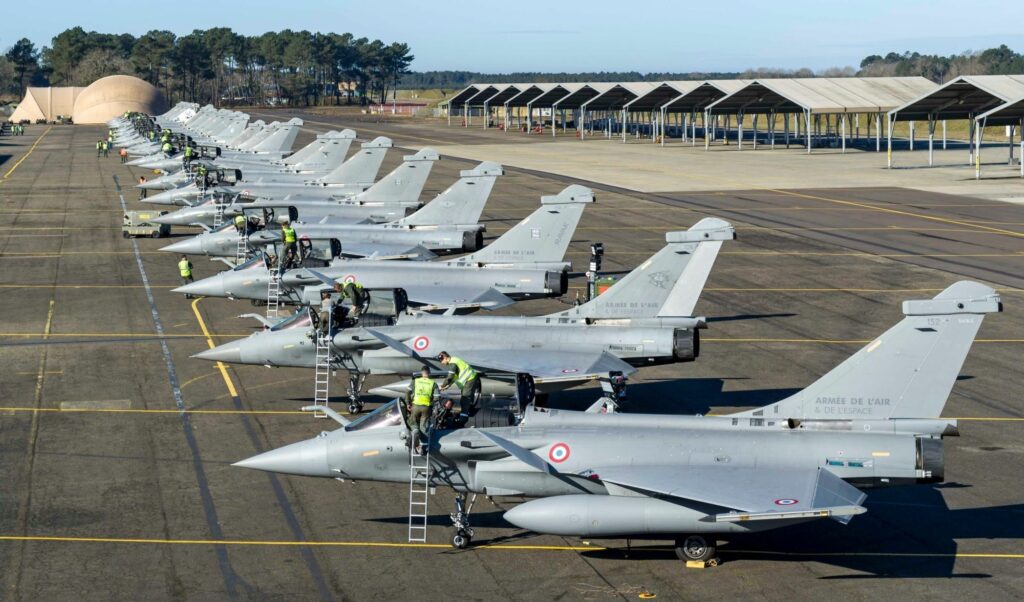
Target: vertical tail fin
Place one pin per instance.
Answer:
(669, 283)
(544, 236)
(327, 151)
(282, 139)
(462, 202)
(909, 371)
(330, 154)
(361, 168)
(405, 182)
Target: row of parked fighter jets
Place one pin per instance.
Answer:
(872, 421)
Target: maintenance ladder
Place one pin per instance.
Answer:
(274, 295)
(218, 212)
(322, 378)
(419, 491)
(241, 248)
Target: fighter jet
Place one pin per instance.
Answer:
(645, 319)
(348, 191)
(525, 262)
(446, 224)
(873, 421)
(322, 155)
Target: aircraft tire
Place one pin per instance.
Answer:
(695, 547)
(461, 539)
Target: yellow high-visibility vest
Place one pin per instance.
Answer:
(185, 268)
(423, 391)
(289, 235)
(466, 372)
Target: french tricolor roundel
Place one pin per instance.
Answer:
(420, 343)
(786, 502)
(570, 371)
(349, 278)
(559, 453)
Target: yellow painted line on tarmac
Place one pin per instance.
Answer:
(820, 254)
(57, 211)
(26, 155)
(209, 341)
(126, 335)
(933, 218)
(316, 544)
(27, 409)
(61, 228)
(494, 547)
(88, 286)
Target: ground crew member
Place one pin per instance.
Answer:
(152, 135)
(124, 155)
(142, 191)
(418, 401)
(201, 177)
(326, 312)
(290, 244)
(166, 148)
(99, 147)
(355, 293)
(187, 156)
(185, 269)
(240, 223)
(106, 147)
(464, 377)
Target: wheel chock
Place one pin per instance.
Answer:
(701, 564)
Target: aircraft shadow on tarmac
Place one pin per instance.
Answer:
(686, 396)
(907, 532)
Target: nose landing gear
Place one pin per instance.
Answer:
(463, 535)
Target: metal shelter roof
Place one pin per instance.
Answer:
(557, 93)
(962, 97)
(618, 96)
(705, 93)
(1010, 113)
(504, 94)
(581, 95)
(823, 95)
(529, 94)
(661, 94)
(461, 96)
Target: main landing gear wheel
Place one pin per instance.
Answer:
(695, 547)
(462, 538)
(355, 407)
(460, 520)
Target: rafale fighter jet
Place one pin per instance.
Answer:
(873, 421)
(446, 224)
(645, 319)
(525, 262)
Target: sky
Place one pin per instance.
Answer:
(529, 35)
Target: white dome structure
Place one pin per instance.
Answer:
(111, 96)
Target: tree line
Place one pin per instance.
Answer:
(218, 65)
(940, 69)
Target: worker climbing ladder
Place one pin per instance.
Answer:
(419, 490)
(274, 295)
(242, 247)
(322, 377)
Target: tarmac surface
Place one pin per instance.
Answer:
(115, 446)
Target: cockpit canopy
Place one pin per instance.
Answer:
(389, 414)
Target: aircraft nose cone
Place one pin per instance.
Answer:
(229, 353)
(167, 197)
(189, 246)
(138, 162)
(206, 287)
(305, 458)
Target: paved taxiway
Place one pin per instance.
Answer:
(111, 490)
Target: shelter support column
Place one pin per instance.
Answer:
(931, 140)
(911, 134)
(842, 134)
(739, 131)
(785, 127)
(807, 129)
(878, 132)
(943, 134)
(979, 133)
(889, 122)
(1009, 160)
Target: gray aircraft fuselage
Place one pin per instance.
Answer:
(298, 286)
(222, 243)
(639, 342)
(580, 444)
